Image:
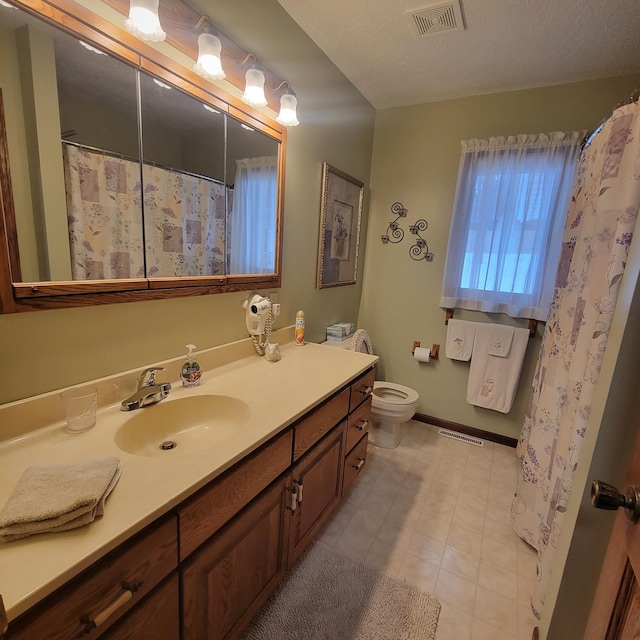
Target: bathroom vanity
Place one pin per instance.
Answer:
(192, 542)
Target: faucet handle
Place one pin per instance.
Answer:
(148, 377)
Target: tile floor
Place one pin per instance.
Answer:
(435, 512)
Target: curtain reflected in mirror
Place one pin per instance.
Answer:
(195, 195)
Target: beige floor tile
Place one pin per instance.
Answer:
(354, 543)
(462, 564)
(501, 581)
(426, 548)
(496, 610)
(367, 522)
(482, 630)
(465, 540)
(454, 623)
(395, 535)
(455, 590)
(499, 554)
(420, 573)
(385, 557)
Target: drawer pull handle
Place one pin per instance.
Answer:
(298, 488)
(366, 391)
(362, 425)
(119, 601)
(294, 500)
(360, 464)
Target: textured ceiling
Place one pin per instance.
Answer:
(505, 45)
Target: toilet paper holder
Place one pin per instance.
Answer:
(435, 349)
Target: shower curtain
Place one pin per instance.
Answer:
(104, 215)
(184, 219)
(598, 232)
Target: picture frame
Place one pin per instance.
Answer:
(340, 220)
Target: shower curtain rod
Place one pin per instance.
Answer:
(122, 156)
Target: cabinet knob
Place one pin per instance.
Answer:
(366, 391)
(360, 464)
(361, 425)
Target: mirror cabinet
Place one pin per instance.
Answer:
(124, 175)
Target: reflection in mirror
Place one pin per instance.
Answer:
(82, 179)
(183, 182)
(252, 162)
(75, 121)
(98, 118)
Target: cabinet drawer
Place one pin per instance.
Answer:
(157, 617)
(140, 563)
(354, 462)
(319, 422)
(358, 424)
(361, 389)
(202, 515)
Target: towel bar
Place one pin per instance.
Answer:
(533, 324)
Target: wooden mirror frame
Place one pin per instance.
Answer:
(16, 296)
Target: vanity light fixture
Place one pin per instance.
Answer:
(209, 64)
(162, 85)
(89, 47)
(7, 5)
(254, 88)
(143, 21)
(288, 104)
(211, 109)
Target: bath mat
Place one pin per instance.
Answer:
(329, 596)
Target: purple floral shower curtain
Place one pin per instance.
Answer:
(598, 232)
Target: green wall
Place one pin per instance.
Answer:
(47, 350)
(415, 161)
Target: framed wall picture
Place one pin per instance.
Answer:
(340, 218)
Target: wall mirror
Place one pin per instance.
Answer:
(124, 177)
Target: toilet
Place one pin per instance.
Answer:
(391, 405)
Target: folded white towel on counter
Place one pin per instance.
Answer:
(460, 337)
(500, 340)
(58, 497)
(493, 380)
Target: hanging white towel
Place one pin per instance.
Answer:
(460, 337)
(493, 380)
(501, 339)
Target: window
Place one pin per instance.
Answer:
(508, 219)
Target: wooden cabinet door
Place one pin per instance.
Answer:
(317, 479)
(228, 578)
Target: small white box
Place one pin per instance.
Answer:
(340, 331)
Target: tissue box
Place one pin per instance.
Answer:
(340, 331)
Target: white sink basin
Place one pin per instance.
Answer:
(183, 425)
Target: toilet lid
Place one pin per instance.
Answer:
(393, 393)
(361, 342)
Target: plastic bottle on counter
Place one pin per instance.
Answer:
(191, 371)
(299, 333)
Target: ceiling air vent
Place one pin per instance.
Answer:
(437, 19)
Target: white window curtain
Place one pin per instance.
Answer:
(253, 217)
(510, 206)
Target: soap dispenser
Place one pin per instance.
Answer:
(191, 371)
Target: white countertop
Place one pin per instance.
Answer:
(277, 393)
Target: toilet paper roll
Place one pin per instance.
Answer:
(421, 354)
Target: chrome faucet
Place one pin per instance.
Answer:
(149, 391)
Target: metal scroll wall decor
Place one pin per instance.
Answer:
(395, 234)
(420, 250)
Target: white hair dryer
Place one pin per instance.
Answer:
(259, 314)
